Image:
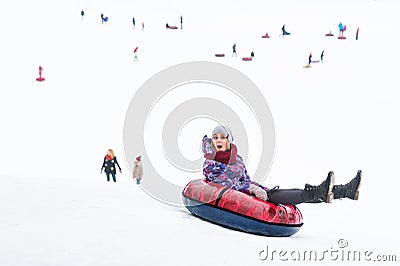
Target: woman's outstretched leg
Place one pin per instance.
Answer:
(349, 190)
(286, 196)
(310, 194)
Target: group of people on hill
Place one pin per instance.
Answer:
(341, 27)
(105, 19)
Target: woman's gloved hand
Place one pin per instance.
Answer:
(258, 192)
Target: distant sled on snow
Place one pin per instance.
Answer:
(171, 27)
(219, 55)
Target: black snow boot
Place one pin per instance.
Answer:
(322, 193)
(350, 190)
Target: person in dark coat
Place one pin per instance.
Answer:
(133, 22)
(109, 163)
(82, 14)
(284, 32)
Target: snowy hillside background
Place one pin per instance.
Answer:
(342, 115)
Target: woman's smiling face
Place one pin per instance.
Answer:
(220, 142)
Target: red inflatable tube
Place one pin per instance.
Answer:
(238, 210)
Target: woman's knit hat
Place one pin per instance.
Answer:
(223, 130)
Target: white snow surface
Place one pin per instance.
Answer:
(342, 115)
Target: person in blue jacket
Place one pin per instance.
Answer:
(341, 27)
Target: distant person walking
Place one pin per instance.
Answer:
(109, 163)
(252, 55)
(133, 22)
(142, 25)
(82, 14)
(341, 29)
(138, 170)
(234, 50)
(357, 33)
(181, 22)
(309, 59)
(322, 56)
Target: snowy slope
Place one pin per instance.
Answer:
(56, 208)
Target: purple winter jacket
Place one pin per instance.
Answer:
(233, 175)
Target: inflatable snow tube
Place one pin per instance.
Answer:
(265, 36)
(329, 34)
(247, 58)
(219, 55)
(240, 211)
(172, 27)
